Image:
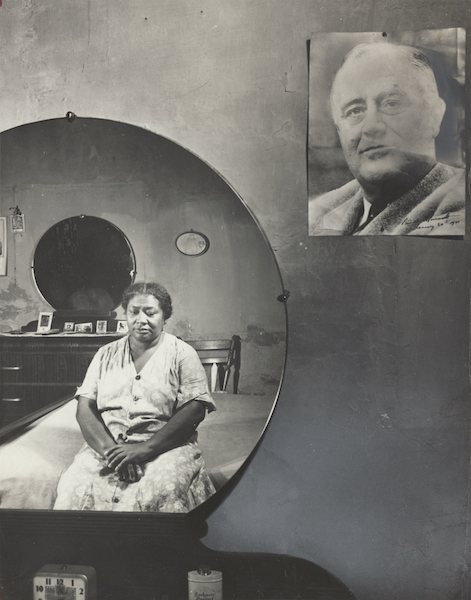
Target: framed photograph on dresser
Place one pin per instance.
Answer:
(44, 322)
(101, 326)
(122, 327)
(83, 327)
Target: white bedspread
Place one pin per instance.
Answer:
(32, 462)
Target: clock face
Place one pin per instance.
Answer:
(192, 243)
(64, 582)
(72, 587)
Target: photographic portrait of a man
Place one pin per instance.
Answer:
(393, 119)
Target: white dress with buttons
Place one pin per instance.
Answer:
(134, 406)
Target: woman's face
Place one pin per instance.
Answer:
(145, 318)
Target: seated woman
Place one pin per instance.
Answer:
(139, 405)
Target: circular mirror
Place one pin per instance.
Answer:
(83, 263)
(100, 197)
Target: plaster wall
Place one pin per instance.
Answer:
(364, 467)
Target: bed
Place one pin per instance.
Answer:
(32, 460)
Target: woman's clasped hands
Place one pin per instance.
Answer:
(126, 460)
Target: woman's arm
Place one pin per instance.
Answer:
(94, 430)
(174, 433)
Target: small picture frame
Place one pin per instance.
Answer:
(17, 223)
(122, 327)
(44, 322)
(69, 326)
(101, 326)
(83, 327)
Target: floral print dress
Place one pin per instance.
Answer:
(134, 406)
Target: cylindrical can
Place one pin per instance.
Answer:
(205, 585)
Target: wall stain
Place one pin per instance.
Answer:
(260, 337)
(15, 302)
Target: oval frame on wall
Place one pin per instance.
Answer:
(192, 243)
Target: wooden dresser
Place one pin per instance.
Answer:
(37, 370)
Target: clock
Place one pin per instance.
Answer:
(64, 582)
(192, 243)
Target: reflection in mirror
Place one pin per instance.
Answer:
(139, 193)
(83, 263)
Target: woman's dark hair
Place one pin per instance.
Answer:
(152, 289)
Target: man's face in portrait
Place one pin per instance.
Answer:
(387, 115)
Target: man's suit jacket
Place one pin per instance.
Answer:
(434, 207)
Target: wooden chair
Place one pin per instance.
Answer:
(220, 357)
